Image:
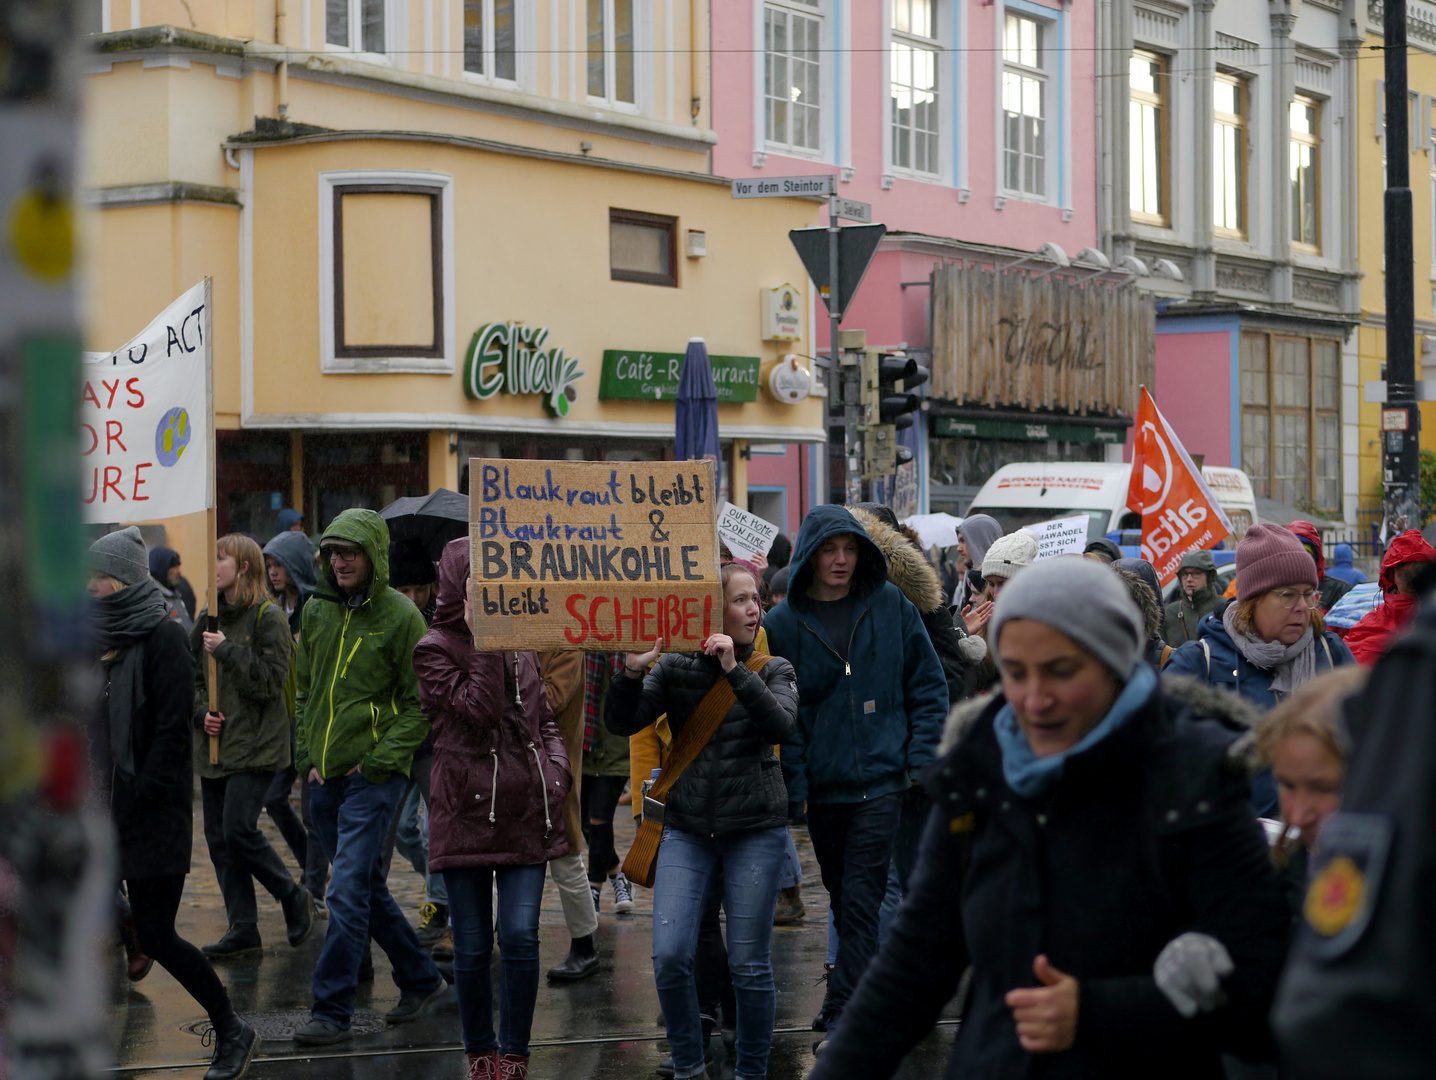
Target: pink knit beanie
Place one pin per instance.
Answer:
(1269, 557)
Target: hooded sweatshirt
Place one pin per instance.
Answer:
(1331, 589)
(979, 531)
(1342, 566)
(295, 553)
(1369, 639)
(1184, 613)
(357, 699)
(871, 708)
(161, 560)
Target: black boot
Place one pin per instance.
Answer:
(235, 1042)
(580, 963)
(298, 915)
(237, 941)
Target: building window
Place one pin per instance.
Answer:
(913, 86)
(386, 271)
(1024, 105)
(355, 24)
(611, 52)
(1229, 156)
(792, 85)
(643, 247)
(1291, 427)
(489, 47)
(1148, 137)
(1306, 174)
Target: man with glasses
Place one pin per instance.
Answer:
(358, 724)
(1196, 595)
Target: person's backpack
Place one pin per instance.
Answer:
(1357, 998)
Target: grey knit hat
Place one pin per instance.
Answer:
(120, 554)
(1080, 598)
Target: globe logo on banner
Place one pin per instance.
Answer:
(172, 436)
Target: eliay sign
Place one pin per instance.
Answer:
(145, 419)
(1179, 512)
(594, 555)
(510, 356)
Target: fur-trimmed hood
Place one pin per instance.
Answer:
(1147, 603)
(908, 567)
(1233, 711)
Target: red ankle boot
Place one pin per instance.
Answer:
(484, 1066)
(514, 1067)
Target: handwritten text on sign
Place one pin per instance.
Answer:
(745, 534)
(594, 555)
(1065, 536)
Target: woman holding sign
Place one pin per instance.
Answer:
(728, 808)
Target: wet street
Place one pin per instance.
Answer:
(605, 1026)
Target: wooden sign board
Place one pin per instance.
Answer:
(599, 556)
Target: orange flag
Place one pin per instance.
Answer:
(1179, 512)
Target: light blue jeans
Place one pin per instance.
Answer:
(751, 861)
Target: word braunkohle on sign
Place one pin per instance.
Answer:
(594, 555)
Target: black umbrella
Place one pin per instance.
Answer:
(433, 520)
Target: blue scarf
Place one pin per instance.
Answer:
(1030, 775)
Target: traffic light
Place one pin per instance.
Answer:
(892, 378)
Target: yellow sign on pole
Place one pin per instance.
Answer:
(600, 556)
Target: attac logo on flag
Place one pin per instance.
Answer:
(1179, 512)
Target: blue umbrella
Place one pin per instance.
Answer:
(696, 410)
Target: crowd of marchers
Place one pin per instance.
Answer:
(1093, 818)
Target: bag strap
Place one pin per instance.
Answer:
(1207, 649)
(1327, 647)
(1166, 652)
(702, 722)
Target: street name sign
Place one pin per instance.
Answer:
(854, 210)
(779, 187)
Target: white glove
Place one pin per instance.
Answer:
(1189, 971)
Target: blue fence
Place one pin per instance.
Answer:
(1365, 538)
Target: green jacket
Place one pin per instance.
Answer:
(252, 667)
(356, 695)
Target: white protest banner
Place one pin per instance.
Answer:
(145, 419)
(745, 534)
(1065, 536)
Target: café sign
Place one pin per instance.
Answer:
(638, 375)
(511, 357)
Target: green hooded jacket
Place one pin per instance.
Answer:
(356, 695)
(1183, 614)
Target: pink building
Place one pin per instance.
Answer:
(971, 129)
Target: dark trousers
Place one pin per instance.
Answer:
(598, 799)
(281, 812)
(854, 844)
(239, 851)
(153, 903)
(316, 861)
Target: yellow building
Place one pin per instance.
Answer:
(1371, 184)
(437, 229)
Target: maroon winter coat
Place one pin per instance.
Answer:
(500, 774)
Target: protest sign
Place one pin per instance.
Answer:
(601, 556)
(1179, 511)
(1065, 536)
(745, 534)
(145, 419)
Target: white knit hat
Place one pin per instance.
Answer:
(1009, 554)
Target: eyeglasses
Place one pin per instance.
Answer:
(343, 554)
(1289, 598)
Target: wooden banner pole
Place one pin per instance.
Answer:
(211, 669)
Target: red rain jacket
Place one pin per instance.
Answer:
(1371, 637)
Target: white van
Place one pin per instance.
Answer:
(1023, 494)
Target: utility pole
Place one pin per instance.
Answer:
(1400, 418)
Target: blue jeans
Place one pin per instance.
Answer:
(352, 817)
(471, 915)
(854, 844)
(751, 862)
(792, 872)
(411, 839)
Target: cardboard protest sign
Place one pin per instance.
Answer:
(745, 534)
(1065, 536)
(601, 556)
(144, 419)
(1179, 511)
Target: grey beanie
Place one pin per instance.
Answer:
(1080, 598)
(121, 555)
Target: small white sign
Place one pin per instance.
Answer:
(779, 187)
(854, 210)
(1065, 536)
(789, 381)
(904, 500)
(782, 307)
(745, 534)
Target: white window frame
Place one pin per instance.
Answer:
(1317, 141)
(642, 65)
(823, 14)
(1056, 76)
(935, 45)
(443, 183)
(356, 32)
(521, 38)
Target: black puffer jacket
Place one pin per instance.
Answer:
(735, 783)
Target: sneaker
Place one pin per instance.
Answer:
(443, 948)
(237, 941)
(484, 1066)
(317, 907)
(622, 894)
(790, 907)
(597, 891)
(514, 1067)
(414, 1003)
(320, 1033)
(433, 923)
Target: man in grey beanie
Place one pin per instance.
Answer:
(120, 555)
